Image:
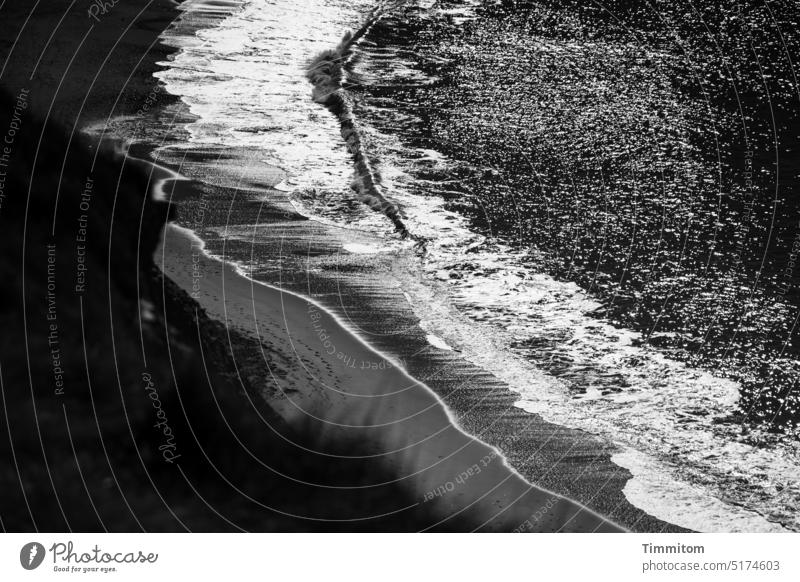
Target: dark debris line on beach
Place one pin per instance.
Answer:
(327, 72)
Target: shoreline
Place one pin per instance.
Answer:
(258, 234)
(404, 422)
(241, 218)
(571, 462)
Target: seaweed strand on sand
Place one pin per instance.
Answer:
(326, 72)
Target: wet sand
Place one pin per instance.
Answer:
(231, 205)
(334, 387)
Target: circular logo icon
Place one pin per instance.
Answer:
(31, 555)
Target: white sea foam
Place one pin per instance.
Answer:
(438, 342)
(244, 80)
(652, 489)
(362, 249)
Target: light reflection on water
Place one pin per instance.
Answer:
(613, 159)
(619, 158)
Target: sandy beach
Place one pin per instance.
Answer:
(241, 218)
(340, 391)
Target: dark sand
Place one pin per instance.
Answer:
(80, 70)
(339, 389)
